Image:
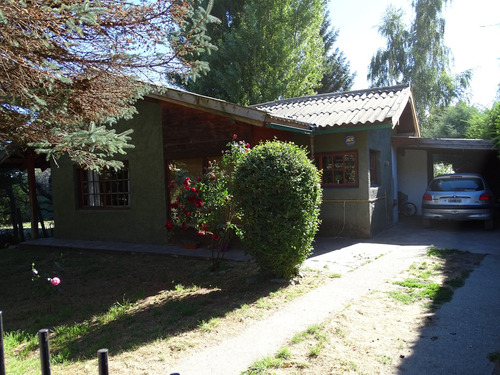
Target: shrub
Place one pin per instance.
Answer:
(206, 203)
(277, 189)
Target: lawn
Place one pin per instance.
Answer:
(125, 302)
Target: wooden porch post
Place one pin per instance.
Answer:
(32, 194)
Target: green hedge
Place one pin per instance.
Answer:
(278, 191)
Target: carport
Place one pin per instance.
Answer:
(415, 159)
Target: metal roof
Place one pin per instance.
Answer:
(363, 107)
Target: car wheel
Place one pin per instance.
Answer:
(426, 223)
(489, 225)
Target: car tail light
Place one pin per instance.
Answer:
(427, 197)
(485, 197)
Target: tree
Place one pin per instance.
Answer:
(70, 68)
(486, 125)
(278, 192)
(337, 75)
(418, 55)
(271, 49)
(449, 122)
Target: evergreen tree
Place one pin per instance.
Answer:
(337, 75)
(417, 55)
(271, 49)
(70, 68)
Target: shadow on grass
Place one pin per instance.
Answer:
(118, 301)
(447, 342)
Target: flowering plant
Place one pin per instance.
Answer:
(36, 277)
(206, 203)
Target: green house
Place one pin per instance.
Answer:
(348, 135)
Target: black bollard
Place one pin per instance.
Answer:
(43, 342)
(2, 354)
(102, 361)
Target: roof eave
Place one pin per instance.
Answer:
(212, 105)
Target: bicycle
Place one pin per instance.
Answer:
(405, 207)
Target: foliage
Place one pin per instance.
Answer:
(278, 193)
(417, 55)
(207, 203)
(449, 122)
(486, 125)
(13, 196)
(69, 69)
(337, 75)
(271, 49)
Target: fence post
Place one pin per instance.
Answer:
(43, 342)
(2, 353)
(102, 361)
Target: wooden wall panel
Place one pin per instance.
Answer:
(189, 132)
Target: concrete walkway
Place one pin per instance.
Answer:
(236, 354)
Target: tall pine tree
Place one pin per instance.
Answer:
(68, 69)
(271, 49)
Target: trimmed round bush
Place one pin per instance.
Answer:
(278, 190)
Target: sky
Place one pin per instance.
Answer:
(472, 34)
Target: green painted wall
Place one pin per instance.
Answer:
(364, 210)
(145, 219)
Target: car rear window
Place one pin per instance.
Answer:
(456, 184)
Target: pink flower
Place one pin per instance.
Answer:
(235, 136)
(55, 281)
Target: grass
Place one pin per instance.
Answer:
(284, 356)
(336, 346)
(419, 288)
(494, 357)
(126, 301)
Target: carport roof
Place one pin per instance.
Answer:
(443, 143)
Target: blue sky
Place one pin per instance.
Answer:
(472, 34)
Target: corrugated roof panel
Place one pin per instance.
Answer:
(344, 108)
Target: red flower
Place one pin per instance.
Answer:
(247, 145)
(215, 237)
(235, 136)
(185, 226)
(169, 225)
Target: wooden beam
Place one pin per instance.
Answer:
(32, 194)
